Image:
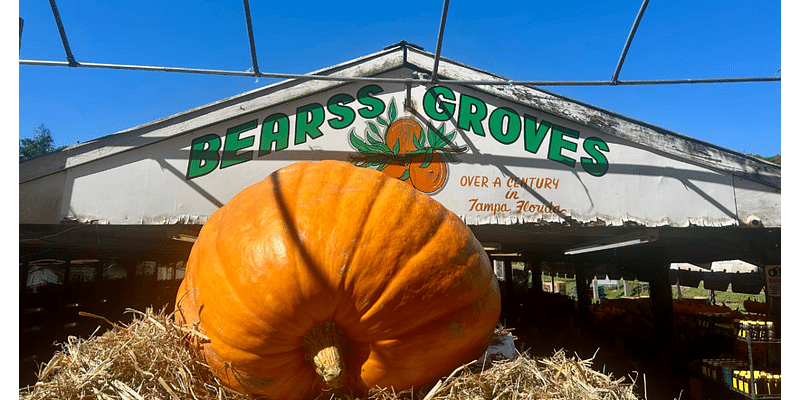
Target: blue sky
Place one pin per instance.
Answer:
(560, 41)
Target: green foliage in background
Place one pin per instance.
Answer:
(732, 300)
(41, 144)
(776, 159)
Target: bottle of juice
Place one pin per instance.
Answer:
(770, 331)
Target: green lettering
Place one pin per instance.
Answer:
(374, 105)
(203, 155)
(534, 136)
(497, 122)
(234, 143)
(471, 111)
(443, 110)
(275, 129)
(309, 119)
(345, 115)
(597, 165)
(557, 142)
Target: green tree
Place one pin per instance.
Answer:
(776, 159)
(39, 145)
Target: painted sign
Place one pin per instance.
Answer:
(418, 148)
(406, 148)
(773, 273)
(488, 159)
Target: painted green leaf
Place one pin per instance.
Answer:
(371, 139)
(372, 149)
(392, 111)
(428, 159)
(382, 148)
(373, 127)
(358, 143)
(432, 139)
(405, 176)
(375, 146)
(419, 143)
(443, 141)
(382, 121)
(449, 137)
(396, 148)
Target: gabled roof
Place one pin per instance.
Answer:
(413, 57)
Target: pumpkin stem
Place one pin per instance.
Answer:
(323, 345)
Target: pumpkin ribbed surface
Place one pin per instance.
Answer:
(332, 262)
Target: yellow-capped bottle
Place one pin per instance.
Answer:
(761, 383)
(713, 368)
(770, 331)
(743, 329)
(739, 380)
(768, 383)
(746, 386)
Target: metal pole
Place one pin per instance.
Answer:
(749, 338)
(396, 80)
(21, 24)
(256, 72)
(408, 104)
(218, 72)
(628, 42)
(70, 57)
(439, 41)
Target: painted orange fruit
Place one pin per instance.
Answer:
(403, 131)
(430, 178)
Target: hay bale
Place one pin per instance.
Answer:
(154, 358)
(525, 377)
(148, 359)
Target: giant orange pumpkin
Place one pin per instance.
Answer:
(327, 276)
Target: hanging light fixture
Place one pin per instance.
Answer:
(614, 242)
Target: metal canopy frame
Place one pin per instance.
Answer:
(433, 79)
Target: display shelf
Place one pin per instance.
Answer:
(749, 387)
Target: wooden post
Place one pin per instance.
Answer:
(661, 304)
(584, 296)
(507, 271)
(535, 269)
(532, 305)
(23, 275)
(512, 303)
(63, 294)
(626, 290)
